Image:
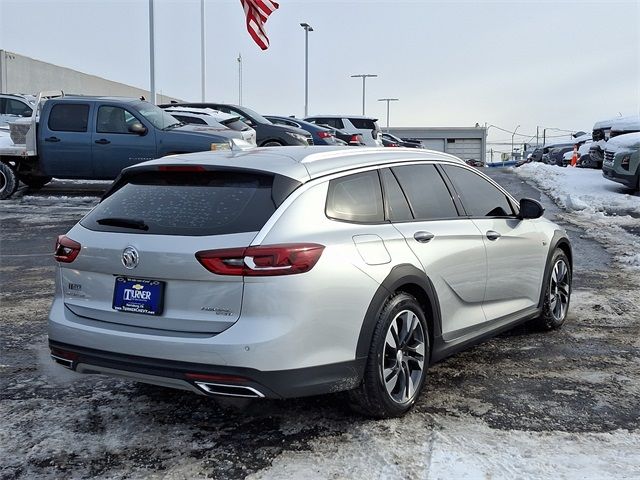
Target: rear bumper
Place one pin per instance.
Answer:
(191, 376)
(629, 181)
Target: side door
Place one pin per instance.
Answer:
(449, 246)
(114, 146)
(65, 142)
(515, 250)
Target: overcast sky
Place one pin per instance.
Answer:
(563, 64)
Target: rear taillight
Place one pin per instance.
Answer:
(393, 144)
(66, 249)
(268, 260)
(355, 139)
(324, 134)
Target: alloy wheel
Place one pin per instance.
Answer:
(403, 357)
(559, 290)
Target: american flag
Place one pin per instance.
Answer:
(257, 12)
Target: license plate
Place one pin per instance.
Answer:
(135, 295)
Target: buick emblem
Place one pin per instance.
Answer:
(130, 258)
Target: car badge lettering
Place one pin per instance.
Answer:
(130, 258)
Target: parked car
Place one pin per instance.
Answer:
(367, 126)
(386, 142)
(267, 133)
(15, 106)
(584, 157)
(472, 162)
(351, 139)
(606, 129)
(93, 138)
(556, 155)
(399, 142)
(305, 271)
(622, 160)
(320, 135)
(547, 150)
(224, 124)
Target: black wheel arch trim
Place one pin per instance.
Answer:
(401, 275)
(559, 240)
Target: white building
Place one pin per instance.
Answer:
(20, 74)
(464, 142)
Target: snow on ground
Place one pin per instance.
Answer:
(604, 208)
(444, 447)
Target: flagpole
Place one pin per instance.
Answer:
(202, 50)
(152, 67)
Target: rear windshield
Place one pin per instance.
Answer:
(186, 203)
(364, 123)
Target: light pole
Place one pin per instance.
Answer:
(513, 135)
(202, 49)
(364, 77)
(307, 28)
(388, 100)
(152, 51)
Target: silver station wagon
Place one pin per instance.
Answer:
(294, 271)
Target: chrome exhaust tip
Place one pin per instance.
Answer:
(65, 362)
(229, 390)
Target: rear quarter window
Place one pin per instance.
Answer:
(356, 198)
(186, 203)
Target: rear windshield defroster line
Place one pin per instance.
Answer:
(186, 203)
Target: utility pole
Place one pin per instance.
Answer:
(307, 28)
(152, 67)
(388, 100)
(537, 136)
(513, 135)
(202, 50)
(364, 77)
(239, 79)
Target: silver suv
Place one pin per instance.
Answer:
(293, 271)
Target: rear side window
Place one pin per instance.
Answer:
(428, 195)
(479, 197)
(185, 203)
(69, 118)
(16, 107)
(364, 123)
(332, 122)
(356, 198)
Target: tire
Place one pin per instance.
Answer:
(404, 367)
(8, 181)
(272, 143)
(34, 183)
(557, 293)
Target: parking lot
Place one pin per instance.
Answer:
(525, 404)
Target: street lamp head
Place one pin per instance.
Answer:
(307, 27)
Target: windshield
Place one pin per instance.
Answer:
(158, 117)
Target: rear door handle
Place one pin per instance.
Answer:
(102, 141)
(52, 139)
(493, 235)
(423, 237)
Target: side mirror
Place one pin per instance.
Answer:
(137, 128)
(530, 208)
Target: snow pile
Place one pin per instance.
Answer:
(628, 140)
(595, 203)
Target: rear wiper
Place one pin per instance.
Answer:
(124, 222)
